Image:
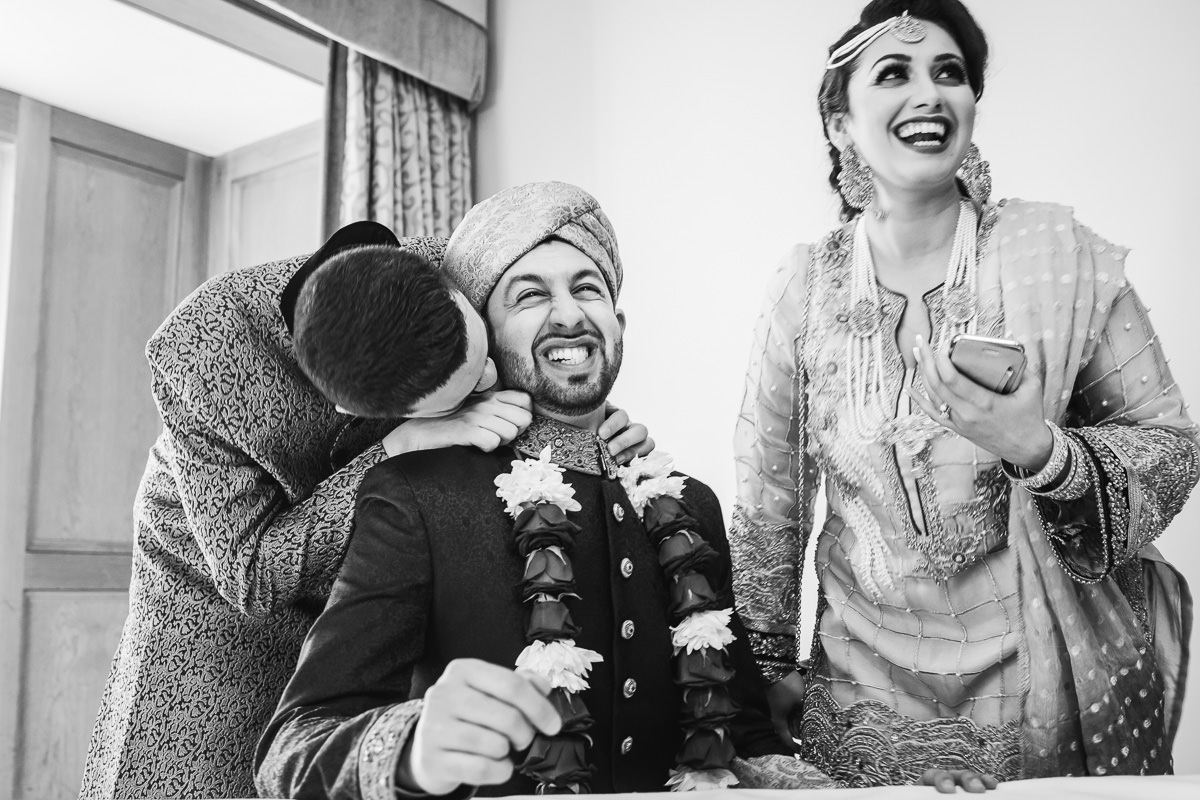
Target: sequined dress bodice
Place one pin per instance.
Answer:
(918, 589)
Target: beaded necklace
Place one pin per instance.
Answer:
(868, 420)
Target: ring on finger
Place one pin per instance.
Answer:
(944, 410)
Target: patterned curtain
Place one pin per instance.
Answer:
(405, 149)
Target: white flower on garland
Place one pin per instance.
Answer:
(561, 662)
(535, 480)
(686, 779)
(703, 629)
(649, 477)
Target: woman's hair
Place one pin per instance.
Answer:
(951, 15)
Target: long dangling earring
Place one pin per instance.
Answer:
(976, 175)
(854, 179)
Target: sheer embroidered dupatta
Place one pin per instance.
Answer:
(1101, 698)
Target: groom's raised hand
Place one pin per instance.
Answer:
(474, 718)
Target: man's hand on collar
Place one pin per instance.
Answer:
(625, 439)
(495, 419)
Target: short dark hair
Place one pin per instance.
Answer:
(377, 328)
(950, 15)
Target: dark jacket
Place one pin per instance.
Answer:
(431, 575)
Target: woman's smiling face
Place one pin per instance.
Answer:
(911, 111)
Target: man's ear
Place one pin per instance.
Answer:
(621, 319)
(489, 379)
(835, 131)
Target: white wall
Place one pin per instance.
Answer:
(694, 124)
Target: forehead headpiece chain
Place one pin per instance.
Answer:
(903, 27)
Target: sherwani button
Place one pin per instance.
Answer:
(629, 688)
(626, 567)
(626, 745)
(627, 629)
(618, 512)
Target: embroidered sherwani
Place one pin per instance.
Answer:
(963, 621)
(432, 574)
(240, 522)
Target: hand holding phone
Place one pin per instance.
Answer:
(995, 364)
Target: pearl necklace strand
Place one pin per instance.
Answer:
(864, 378)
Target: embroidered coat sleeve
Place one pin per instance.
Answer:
(264, 548)
(346, 715)
(779, 772)
(776, 477)
(1130, 446)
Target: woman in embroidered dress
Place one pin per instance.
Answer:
(990, 601)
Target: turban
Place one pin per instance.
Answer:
(509, 224)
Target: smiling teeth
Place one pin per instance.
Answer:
(568, 355)
(916, 128)
(923, 134)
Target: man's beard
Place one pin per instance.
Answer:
(579, 396)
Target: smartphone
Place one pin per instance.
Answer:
(995, 364)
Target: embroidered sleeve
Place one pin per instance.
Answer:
(264, 552)
(777, 479)
(379, 752)
(779, 772)
(1132, 457)
(344, 717)
(213, 382)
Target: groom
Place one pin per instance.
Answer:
(406, 682)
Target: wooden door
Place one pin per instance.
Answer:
(266, 200)
(107, 234)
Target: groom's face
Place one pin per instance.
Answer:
(555, 331)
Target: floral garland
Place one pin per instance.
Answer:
(538, 500)
(701, 633)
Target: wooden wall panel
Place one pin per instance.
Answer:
(70, 639)
(108, 232)
(18, 400)
(111, 252)
(266, 200)
(277, 212)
